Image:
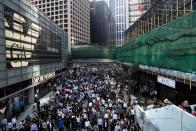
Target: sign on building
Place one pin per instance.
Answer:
(166, 81)
(39, 79)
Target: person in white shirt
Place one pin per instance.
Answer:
(85, 115)
(106, 116)
(14, 122)
(125, 106)
(34, 127)
(64, 110)
(4, 124)
(20, 126)
(78, 119)
(110, 105)
(36, 97)
(94, 111)
(117, 127)
(125, 129)
(90, 104)
(98, 98)
(44, 125)
(103, 101)
(114, 116)
(87, 124)
(10, 126)
(106, 105)
(100, 123)
(93, 95)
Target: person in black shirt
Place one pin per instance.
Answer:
(187, 107)
(67, 122)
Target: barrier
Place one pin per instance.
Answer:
(168, 118)
(143, 120)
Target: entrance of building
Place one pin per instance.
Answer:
(165, 92)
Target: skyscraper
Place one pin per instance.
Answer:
(71, 15)
(136, 9)
(102, 25)
(119, 10)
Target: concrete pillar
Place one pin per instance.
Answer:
(31, 95)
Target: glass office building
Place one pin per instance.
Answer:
(32, 50)
(119, 9)
(71, 15)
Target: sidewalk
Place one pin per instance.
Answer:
(28, 108)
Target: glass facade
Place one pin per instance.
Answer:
(31, 46)
(71, 15)
(29, 43)
(119, 10)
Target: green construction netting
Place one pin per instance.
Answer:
(172, 46)
(93, 52)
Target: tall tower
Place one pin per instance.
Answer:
(102, 25)
(119, 9)
(71, 15)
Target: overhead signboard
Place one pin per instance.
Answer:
(166, 81)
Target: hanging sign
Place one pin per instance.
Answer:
(166, 81)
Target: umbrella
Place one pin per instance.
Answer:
(75, 88)
(68, 90)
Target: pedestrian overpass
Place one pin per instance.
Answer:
(171, 46)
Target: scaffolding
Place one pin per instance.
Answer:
(160, 13)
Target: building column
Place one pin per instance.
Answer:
(31, 95)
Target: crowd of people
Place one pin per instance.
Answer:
(93, 97)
